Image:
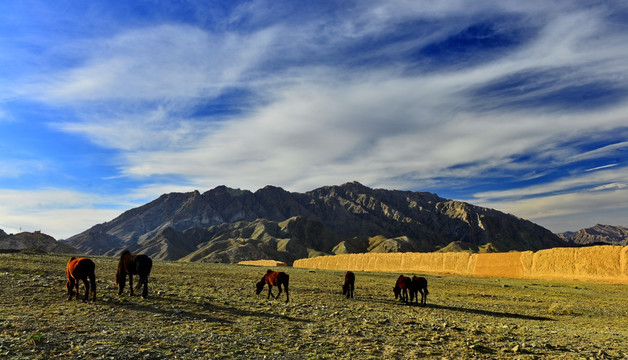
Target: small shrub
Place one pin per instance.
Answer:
(561, 309)
(37, 338)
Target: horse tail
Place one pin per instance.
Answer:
(143, 264)
(142, 281)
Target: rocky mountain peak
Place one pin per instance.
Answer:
(598, 235)
(34, 240)
(224, 224)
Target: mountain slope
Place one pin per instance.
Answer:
(598, 234)
(226, 224)
(35, 240)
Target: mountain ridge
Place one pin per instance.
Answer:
(230, 225)
(34, 241)
(598, 234)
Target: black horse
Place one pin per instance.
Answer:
(133, 264)
(347, 288)
(418, 284)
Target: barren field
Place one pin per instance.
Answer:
(199, 310)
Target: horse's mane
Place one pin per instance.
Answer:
(125, 252)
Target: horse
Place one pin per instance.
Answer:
(401, 288)
(273, 278)
(418, 284)
(347, 288)
(133, 264)
(80, 269)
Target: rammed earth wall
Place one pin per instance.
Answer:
(262, 263)
(602, 263)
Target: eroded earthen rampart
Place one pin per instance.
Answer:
(600, 263)
(262, 263)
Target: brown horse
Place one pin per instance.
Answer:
(274, 278)
(133, 264)
(401, 288)
(347, 288)
(80, 269)
(418, 284)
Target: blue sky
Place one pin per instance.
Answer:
(517, 106)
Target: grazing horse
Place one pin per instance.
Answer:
(133, 264)
(401, 288)
(274, 278)
(81, 269)
(347, 288)
(418, 284)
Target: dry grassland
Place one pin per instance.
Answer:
(199, 310)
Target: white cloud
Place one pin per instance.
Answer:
(57, 212)
(156, 63)
(322, 123)
(571, 211)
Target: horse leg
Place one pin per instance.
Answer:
(143, 281)
(269, 292)
(121, 283)
(92, 280)
(76, 288)
(86, 284)
(69, 286)
(279, 292)
(351, 288)
(131, 283)
(145, 290)
(287, 293)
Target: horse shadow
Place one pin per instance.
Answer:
(160, 304)
(157, 307)
(498, 314)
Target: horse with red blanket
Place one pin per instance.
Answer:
(133, 264)
(274, 278)
(401, 288)
(80, 269)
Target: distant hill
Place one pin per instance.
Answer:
(231, 225)
(598, 235)
(34, 241)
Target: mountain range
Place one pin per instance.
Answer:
(598, 235)
(33, 241)
(231, 225)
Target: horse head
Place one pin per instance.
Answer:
(259, 287)
(397, 291)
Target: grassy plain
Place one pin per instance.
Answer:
(201, 310)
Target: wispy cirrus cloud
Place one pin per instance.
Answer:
(505, 103)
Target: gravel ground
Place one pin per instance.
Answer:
(200, 310)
